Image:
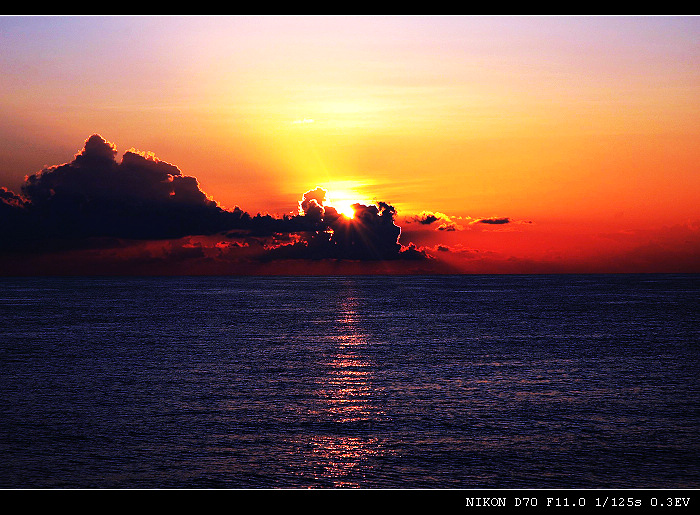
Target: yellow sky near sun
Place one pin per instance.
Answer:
(462, 133)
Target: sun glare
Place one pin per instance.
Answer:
(345, 208)
(342, 202)
(343, 195)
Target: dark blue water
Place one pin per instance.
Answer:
(371, 382)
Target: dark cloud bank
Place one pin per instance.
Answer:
(95, 202)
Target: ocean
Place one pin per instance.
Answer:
(372, 382)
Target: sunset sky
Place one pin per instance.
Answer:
(504, 144)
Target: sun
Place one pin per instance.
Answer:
(342, 202)
(341, 196)
(344, 207)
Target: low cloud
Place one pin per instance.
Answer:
(140, 197)
(443, 221)
(371, 234)
(94, 199)
(493, 221)
(427, 218)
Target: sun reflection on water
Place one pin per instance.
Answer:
(343, 456)
(342, 460)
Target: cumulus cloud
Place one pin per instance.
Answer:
(311, 205)
(96, 198)
(443, 221)
(427, 218)
(371, 234)
(10, 200)
(493, 221)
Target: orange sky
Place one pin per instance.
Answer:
(582, 131)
